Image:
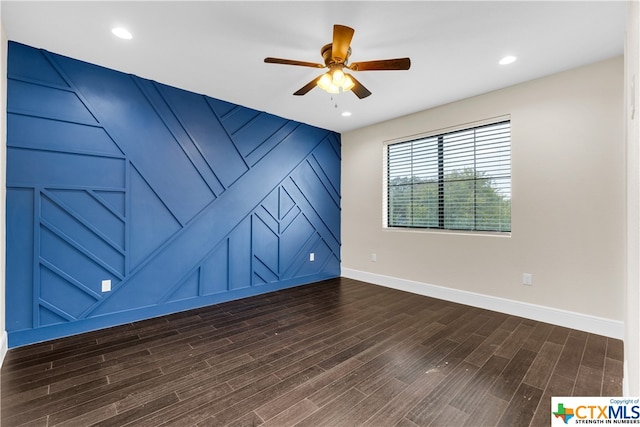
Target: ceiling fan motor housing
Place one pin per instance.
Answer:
(327, 55)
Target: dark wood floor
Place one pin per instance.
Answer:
(336, 353)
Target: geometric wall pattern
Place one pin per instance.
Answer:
(179, 199)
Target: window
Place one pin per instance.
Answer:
(458, 180)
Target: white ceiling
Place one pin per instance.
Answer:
(217, 48)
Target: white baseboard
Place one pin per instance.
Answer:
(583, 322)
(3, 347)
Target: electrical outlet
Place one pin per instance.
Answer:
(374, 257)
(527, 279)
(106, 285)
(312, 257)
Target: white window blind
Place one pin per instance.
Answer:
(459, 180)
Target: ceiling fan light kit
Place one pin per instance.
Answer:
(336, 57)
(336, 80)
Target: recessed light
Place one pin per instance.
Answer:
(508, 60)
(122, 33)
(346, 113)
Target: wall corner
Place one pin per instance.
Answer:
(3, 183)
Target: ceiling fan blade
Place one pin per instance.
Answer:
(341, 40)
(306, 88)
(383, 64)
(270, 60)
(359, 90)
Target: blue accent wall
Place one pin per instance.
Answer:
(181, 200)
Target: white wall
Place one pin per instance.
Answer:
(3, 184)
(632, 96)
(568, 206)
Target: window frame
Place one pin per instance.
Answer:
(441, 133)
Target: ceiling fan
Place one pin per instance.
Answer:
(336, 59)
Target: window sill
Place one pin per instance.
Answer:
(448, 232)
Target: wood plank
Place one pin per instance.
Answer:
(488, 347)
(281, 403)
(235, 410)
(557, 386)
(292, 415)
(569, 361)
(512, 344)
(359, 413)
(348, 381)
(134, 414)
(538, 337)
(450, 416)
(473, 393)
(559, 335)
(521, 408)
(508, 381)
(332, 413)
(594, 352)
(427, 410)
(488, 413)
(542, 367)
(612, 377)
(395, 410)
(615, 349)
(588, 382)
